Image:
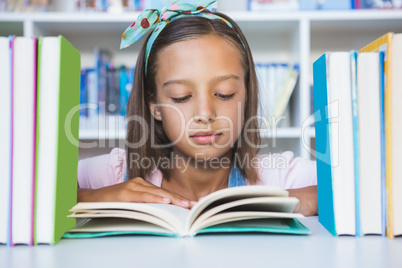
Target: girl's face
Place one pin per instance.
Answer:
(200, 96)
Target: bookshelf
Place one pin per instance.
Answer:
(293, 37)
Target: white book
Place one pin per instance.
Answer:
(341, 140)
(396, 132)
(5, 138)
(369, 87)
(24, 116)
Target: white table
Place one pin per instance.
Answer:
(320, 249)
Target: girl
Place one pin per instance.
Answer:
(191, 118)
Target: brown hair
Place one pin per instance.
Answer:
(144, 91)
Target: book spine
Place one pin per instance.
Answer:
(355, 115)
(383, 185)
(35, 43)
(39, 45)
(323, 154)
(10, 229)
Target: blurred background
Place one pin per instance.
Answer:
(286, 37)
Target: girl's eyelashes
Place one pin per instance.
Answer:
(185, 98)
(224, 97)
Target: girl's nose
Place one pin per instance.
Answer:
(204, 110)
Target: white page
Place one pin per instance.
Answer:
(138, 216)
(231, 194)
(271, 204)
(118, 225)
(234, 218)
(174, 214)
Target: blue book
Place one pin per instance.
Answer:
(325, 4)
(123, 90)
(334, 143)
(322, 130)
(83, 93)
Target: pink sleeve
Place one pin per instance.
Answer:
(101, 171)
(286, 171)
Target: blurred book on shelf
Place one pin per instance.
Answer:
(111, 6)
(326, 4)
(24, 6)
(380, 4)
(273, 5)
(120, 6)
(104, 91)
(276, 84)
(287, 5)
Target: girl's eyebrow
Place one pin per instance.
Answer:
(214, 80)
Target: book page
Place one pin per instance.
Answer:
(133, 215)
(256, 204)
(174, 215)
(240, 219)
(231, 194)
(119, 226)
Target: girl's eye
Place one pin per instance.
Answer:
(224, 97)
(183, 99)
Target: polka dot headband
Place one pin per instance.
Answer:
(157, 19)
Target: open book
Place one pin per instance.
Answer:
(238, 209)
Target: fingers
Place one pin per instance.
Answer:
(176, 199)
(146, 197)
(157, 195)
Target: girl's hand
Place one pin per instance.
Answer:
(308, 205)
(134, 190)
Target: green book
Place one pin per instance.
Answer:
(262, 209)
(58, 100)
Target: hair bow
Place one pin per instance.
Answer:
(157, 19)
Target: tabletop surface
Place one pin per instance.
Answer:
(320, 249)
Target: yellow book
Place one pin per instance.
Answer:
(390, 43)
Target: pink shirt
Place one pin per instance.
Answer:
(283, 170)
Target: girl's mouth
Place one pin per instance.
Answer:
(205, 137)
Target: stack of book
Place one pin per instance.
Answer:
(39, 86)
(358, 129)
